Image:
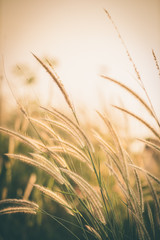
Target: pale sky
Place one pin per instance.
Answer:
(81, 37)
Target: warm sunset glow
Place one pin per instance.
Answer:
(80, 119)
(81, 38)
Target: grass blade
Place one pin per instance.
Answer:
(59, 84)
(131, 92)
(139, 119)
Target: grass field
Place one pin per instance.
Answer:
(87, 183)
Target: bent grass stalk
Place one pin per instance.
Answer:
(131, 92)
(98, 214)
(96, 204)
(59, 84)
(18, 206)
(134, 65)
(140, 120)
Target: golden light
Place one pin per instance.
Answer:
(83, 40)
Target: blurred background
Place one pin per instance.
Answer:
(80, 41)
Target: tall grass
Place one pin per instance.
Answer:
(100, 212)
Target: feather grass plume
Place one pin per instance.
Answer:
(88, 192)
(11, 206)
(59, 84)
(54, 196)
(44, 165)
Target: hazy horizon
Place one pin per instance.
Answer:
(84, 43)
